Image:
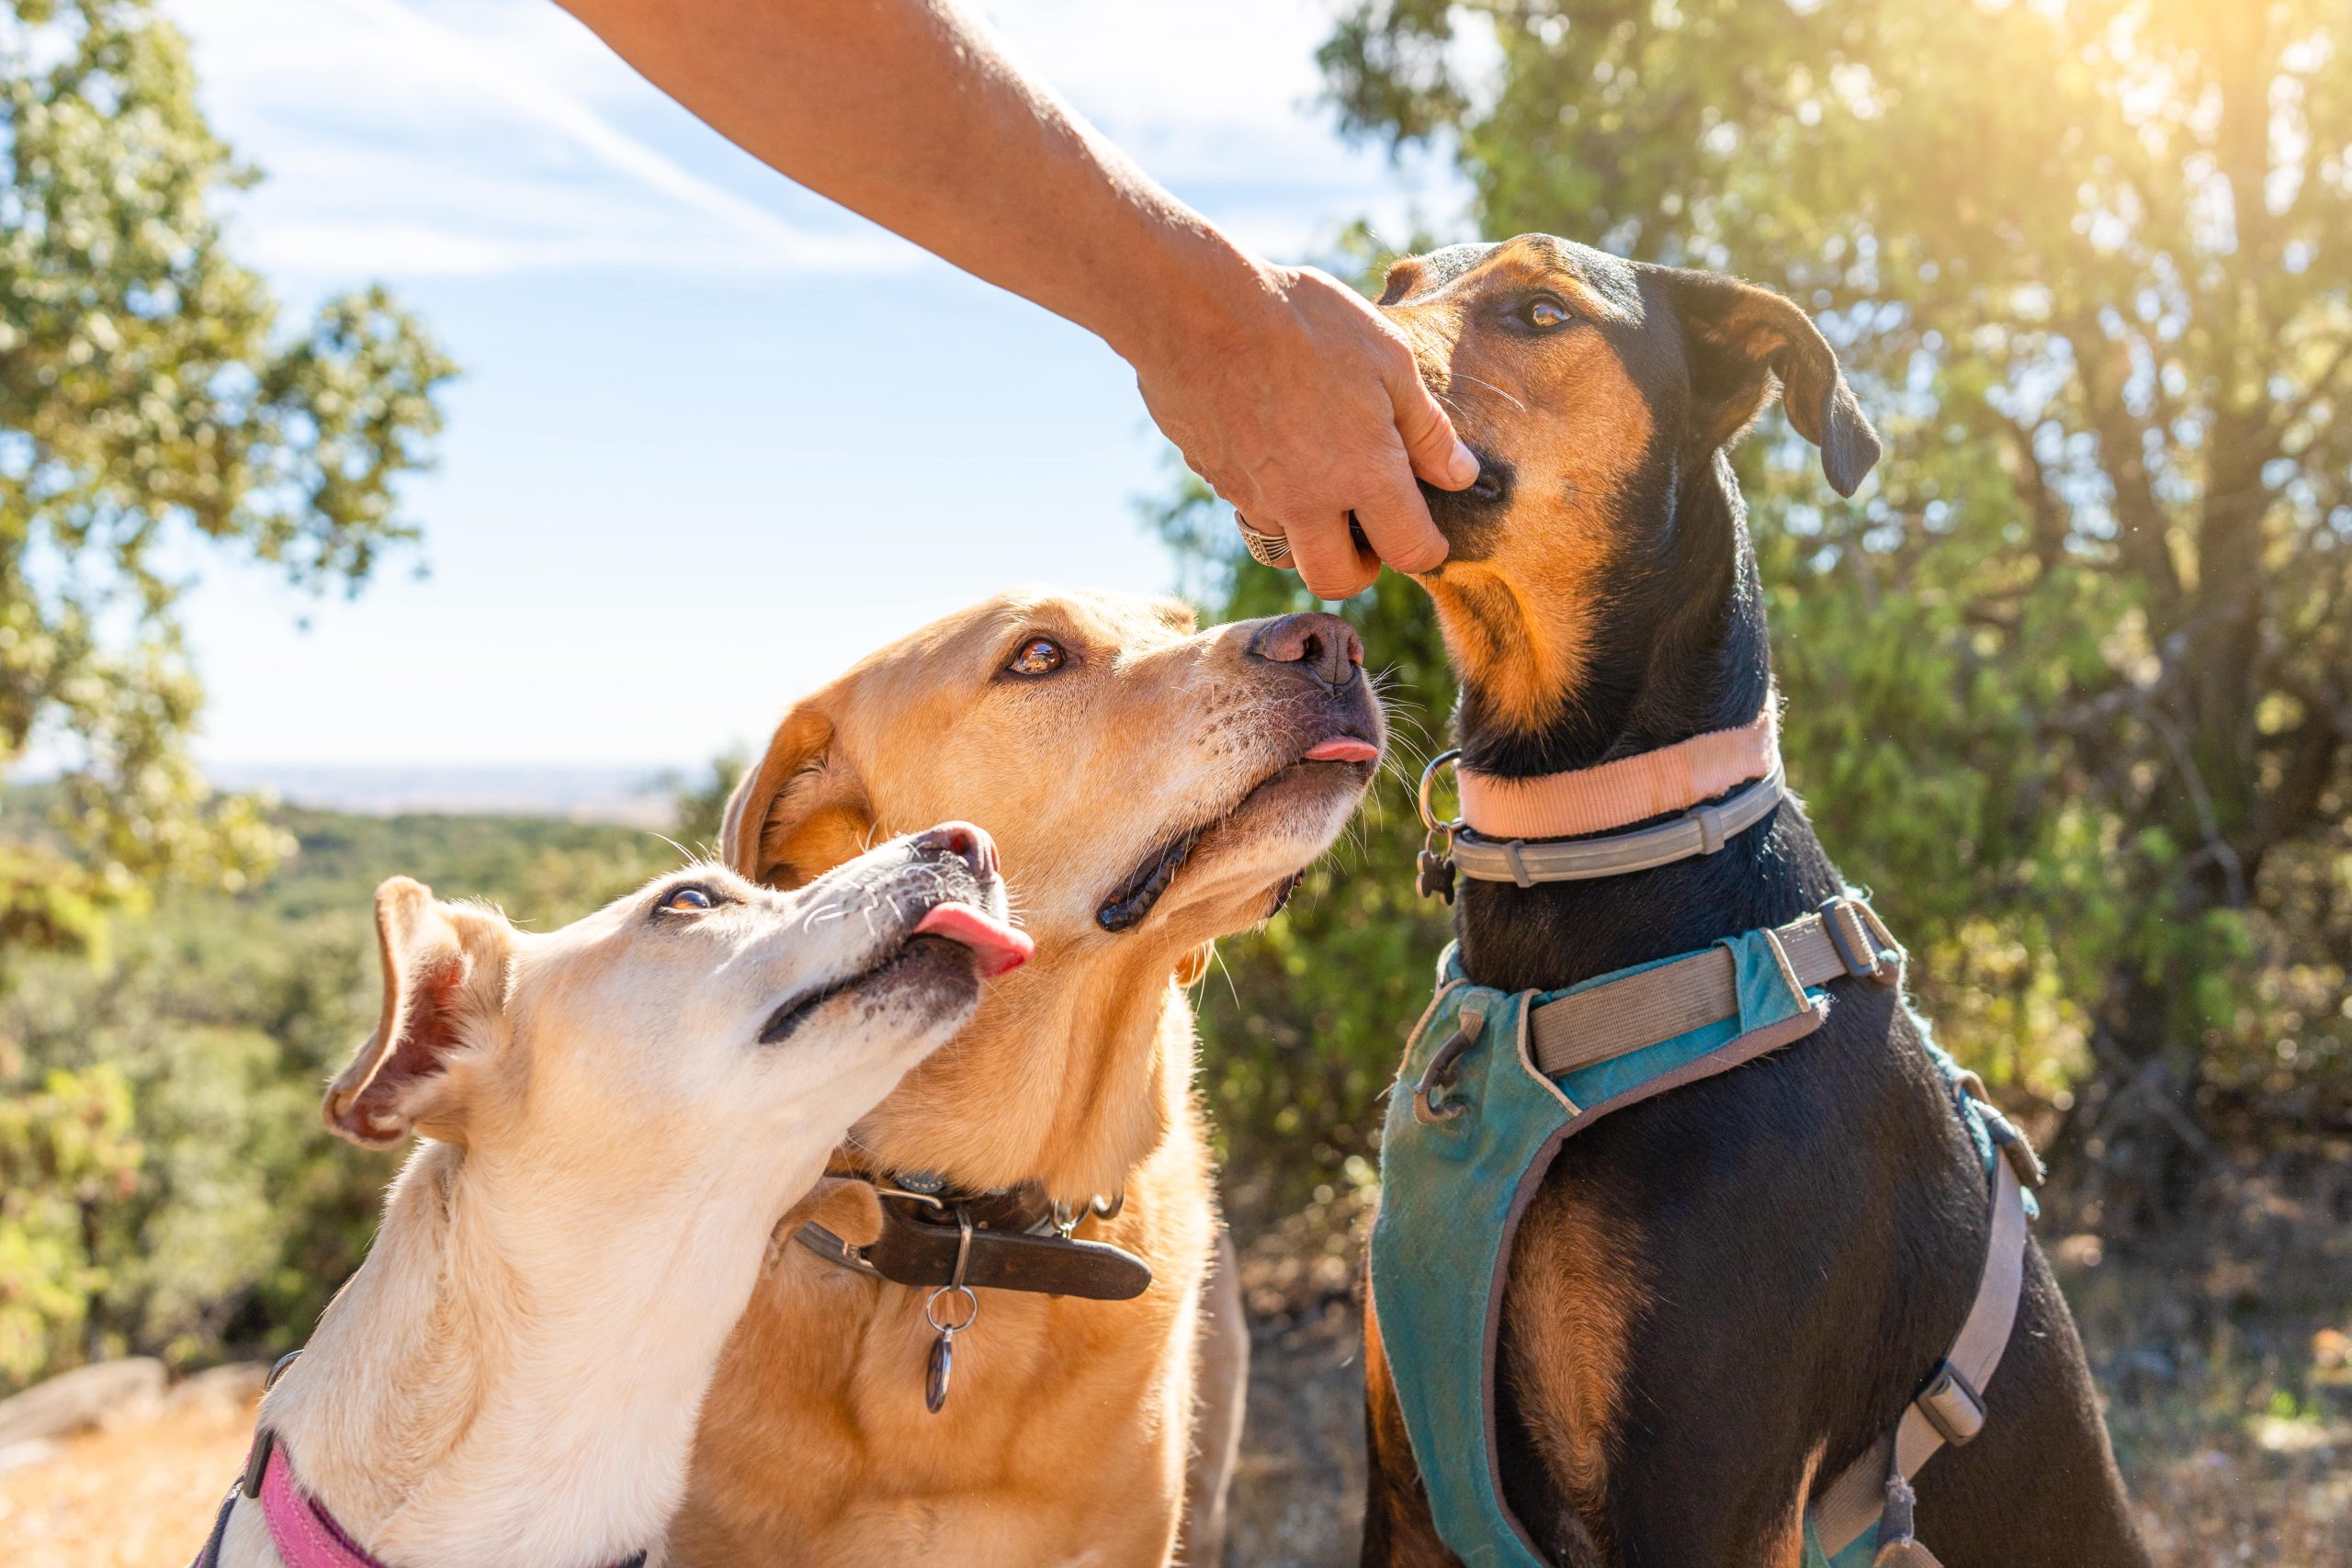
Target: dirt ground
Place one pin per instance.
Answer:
(143, 1496)
(2224, 1353)
(2213, 1484)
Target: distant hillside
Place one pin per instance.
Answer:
(174, 1193)
(635, 796)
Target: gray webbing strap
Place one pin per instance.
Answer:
(1701, 830)
(1951, 1409)
(1628, 1015)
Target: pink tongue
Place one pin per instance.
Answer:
(1343, 748)
(1000, 947)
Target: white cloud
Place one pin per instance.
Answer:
(399, 141)
(500, 136)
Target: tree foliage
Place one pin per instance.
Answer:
(147, 400)
(151, 409)
(2069, 685)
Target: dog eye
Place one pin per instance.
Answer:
(1038, 656)
(688, 897)
(1545, 313)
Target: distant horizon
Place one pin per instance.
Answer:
(630, 794)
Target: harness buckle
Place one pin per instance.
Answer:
(1709, 819)
(1430, 1107)
(1856, 943)
(257, 1461)
(1952, 1406)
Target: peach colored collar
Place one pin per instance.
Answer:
(1632, 789)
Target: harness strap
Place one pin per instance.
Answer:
(1951, 1408)
(1587, 1028)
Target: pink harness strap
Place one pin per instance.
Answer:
(1619, 794)
(305, 1535)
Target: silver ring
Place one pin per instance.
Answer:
(1421, 798)
(1266, 549)
(931, 1309)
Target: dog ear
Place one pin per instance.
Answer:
(844, 1205)
(1195, 964)
(445, 981)
(802, 811)
(1739, 338)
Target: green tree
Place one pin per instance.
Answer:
(148, 399)
(2072, 683)
(2069, 685)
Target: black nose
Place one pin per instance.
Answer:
(1324, 646)
(967, 844)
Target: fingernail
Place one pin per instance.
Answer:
(1463, 466)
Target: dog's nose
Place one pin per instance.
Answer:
(966, 842)
(1324, 646)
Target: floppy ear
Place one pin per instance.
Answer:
(801, 812)
(1195, 964)
(844, 1205)
(1739, 338)
(445, 981)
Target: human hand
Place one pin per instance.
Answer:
(1301, 405)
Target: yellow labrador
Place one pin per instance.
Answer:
(1152, 787)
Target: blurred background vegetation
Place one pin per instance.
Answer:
(2068, 686)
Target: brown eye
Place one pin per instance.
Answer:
(688, 898)
(1038, 656)
(1545, 313)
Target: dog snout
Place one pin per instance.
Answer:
(963, 841)
(1321, 646)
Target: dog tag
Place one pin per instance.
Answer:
(1436, 877)
(942, 1367)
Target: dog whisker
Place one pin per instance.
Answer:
(1475, 381)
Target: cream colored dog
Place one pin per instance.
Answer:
(1153, 787)
(619, 1114)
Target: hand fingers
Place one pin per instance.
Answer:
(1397, 522)
(1437, 454)
(1327, 555)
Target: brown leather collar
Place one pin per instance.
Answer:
(1020, 1241)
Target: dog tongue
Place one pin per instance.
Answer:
(999, 948)
(1343, 748)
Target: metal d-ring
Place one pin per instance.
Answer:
(956, 1285)
(1421, 798)
(1429, 1108)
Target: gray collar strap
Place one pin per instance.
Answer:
(1701, 830)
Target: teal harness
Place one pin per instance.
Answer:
(1493, 1082)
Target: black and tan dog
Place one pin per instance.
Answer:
(1724, 1295)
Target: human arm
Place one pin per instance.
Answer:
(1282, 388)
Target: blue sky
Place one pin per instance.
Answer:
(716, 437)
